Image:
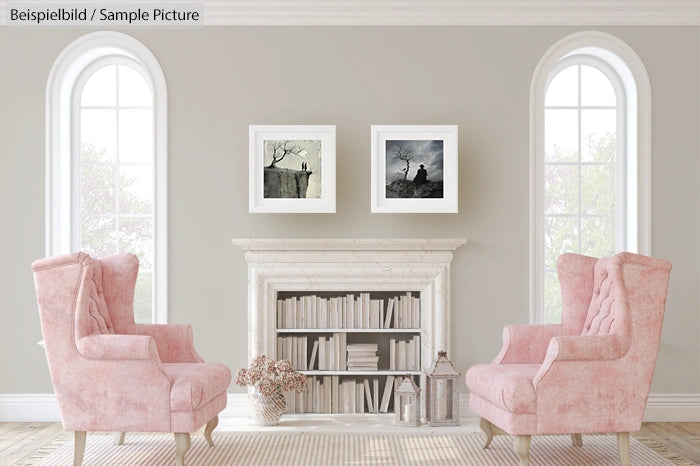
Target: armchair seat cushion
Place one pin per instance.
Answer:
(508, 386)
(195, 384)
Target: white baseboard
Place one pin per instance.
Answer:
(672, 407)
(33, 407)
(43, 407)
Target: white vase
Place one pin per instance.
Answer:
(268, 409)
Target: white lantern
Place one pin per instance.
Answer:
(407, 403)
(441, 392)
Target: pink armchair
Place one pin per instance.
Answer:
(592, 372)
(110, 374)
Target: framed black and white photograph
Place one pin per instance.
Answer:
(292, 168)
(414, 168)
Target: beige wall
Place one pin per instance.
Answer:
(220, 80)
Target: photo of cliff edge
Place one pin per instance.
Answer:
(292, 169)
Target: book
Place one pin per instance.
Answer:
(388, 388)
(389, 313)
(381, 313)
(322, 363)
(314, 350)
(392, 354)
(304, 353)
(326, 394)
(368, 396)
(330, 354)
(365, 310)
(374, 313)
(416, 313)
(416, 353)
(280, 314)
(375, 394)
(401, 353)
(351, 392)
(334, 394)
(409, 312)
(350, 314)
(360, 398)
(342, 353)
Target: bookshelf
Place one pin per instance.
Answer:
(312, 266)
(353, 346)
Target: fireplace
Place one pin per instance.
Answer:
(278, 267)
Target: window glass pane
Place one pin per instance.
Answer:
(100, 88)
(98, 236)
(136, 136)
(98, 128)
(596, 88)
(598, 236)
(135, 189)
(560, 236)
(563, 88)
(133, 89)
(552, 298)
(598, 135)
(97, 188)
(598, 189)
(561, 189)
(136, 237)
(143, 297)
(560, 135)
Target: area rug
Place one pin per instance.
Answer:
(305, 449)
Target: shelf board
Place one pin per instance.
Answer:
(348, 330)
(360, 372)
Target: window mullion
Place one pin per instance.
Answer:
(117, 225)
(580, 211)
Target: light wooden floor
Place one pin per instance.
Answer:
(20, 440)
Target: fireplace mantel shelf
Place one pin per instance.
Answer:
(346, 244)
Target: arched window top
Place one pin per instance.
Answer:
(587, 83)
(108, 87)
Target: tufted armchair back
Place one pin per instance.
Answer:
(608, 312)
(92, 314)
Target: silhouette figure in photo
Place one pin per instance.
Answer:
(421, 175)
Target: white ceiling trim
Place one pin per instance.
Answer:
(429, 12)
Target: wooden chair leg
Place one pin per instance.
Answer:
(211, 425)
(79, 447)
(487, 428)
(182, 444)
(623, 447)
(119, 438)
(521, 445)
(576, 440)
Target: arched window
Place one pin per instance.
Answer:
(106, 159)
(590, 183)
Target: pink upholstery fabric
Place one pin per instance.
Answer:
(194, 385)
(508, 386)
(596, 371)
(108, 373)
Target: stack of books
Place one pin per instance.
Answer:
(362, 357)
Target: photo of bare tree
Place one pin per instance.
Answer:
(292, 169)
(414, 169)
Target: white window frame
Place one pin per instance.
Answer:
(619, 60)
(61, 143)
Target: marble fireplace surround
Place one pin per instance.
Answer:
(349, 265)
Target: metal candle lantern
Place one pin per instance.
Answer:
(407, 403)
(441, 392)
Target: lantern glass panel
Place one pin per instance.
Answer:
(445, 397)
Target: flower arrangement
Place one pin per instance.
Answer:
(270, 376)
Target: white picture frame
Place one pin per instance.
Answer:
(434, 147)
(274, 187)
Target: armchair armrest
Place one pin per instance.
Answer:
(587, 349)
(175, 342)
(526, 344)
(118, 347)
